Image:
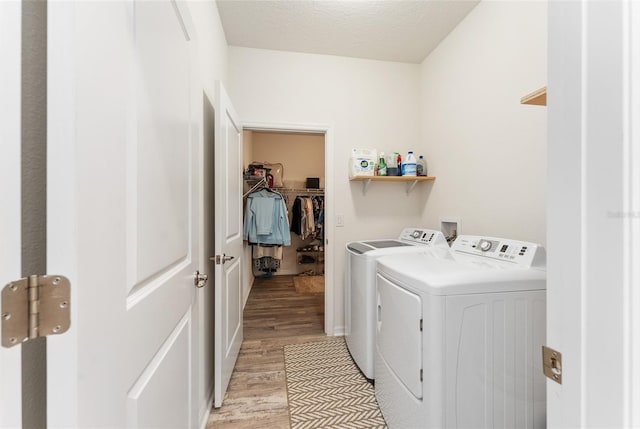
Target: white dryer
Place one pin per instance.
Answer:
(459, 336)
(360, 286)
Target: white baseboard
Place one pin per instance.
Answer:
(338, 331)
(206, 411)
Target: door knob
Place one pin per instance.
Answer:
(221, 259)
(199, 280)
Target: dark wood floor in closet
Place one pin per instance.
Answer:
(275, 315)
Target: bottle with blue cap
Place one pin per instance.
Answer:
(409, 166)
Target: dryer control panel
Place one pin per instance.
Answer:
(521, 253)
(424, 236)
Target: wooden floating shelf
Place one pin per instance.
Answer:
(411, 181)
(536, 98)
(392, 178)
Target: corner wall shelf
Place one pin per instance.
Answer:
(411, 181)
(537, 98)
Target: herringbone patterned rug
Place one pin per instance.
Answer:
(326, 390)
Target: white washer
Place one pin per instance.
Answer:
(459, 336)
(361, 285)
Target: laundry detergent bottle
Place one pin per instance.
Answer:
(409, 166)
(421, 166)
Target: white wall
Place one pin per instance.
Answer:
(212, 47)
(367, 103)
(487, 150)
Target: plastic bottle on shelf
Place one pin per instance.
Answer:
(392, 164)
(409, 166)
(421, 166)
(399, 158)
(382, 165)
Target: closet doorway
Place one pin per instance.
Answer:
(298, 166)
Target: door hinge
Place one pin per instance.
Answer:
(552, 364)
(420, 374)
(420, 325)
(35, 306)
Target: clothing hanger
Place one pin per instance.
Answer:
(262, 182)
(265, 187)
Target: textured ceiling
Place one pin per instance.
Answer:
(390, 30)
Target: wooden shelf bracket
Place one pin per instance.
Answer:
(536, 98)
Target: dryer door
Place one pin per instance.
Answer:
(399, 338)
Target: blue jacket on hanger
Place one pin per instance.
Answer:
(265, 219)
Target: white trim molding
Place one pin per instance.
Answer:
(631, 234)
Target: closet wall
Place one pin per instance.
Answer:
(302, 156)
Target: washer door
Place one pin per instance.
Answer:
(399, 338)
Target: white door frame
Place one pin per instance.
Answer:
(632, 245)
(327, 130)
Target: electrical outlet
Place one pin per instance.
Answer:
(339, 220)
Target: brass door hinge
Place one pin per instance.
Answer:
(35, 306)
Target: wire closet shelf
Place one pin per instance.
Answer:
(300, 191)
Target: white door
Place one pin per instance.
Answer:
(228, 243)
(123, 125)
(10, 29)
(594, 213)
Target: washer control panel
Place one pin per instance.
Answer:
(424, 236)
(518, 252)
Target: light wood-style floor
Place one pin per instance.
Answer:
(275, 315)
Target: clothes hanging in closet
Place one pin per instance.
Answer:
(307, 217)
(318, 216)
(266, 257)
(265, 219)
(266, 228)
